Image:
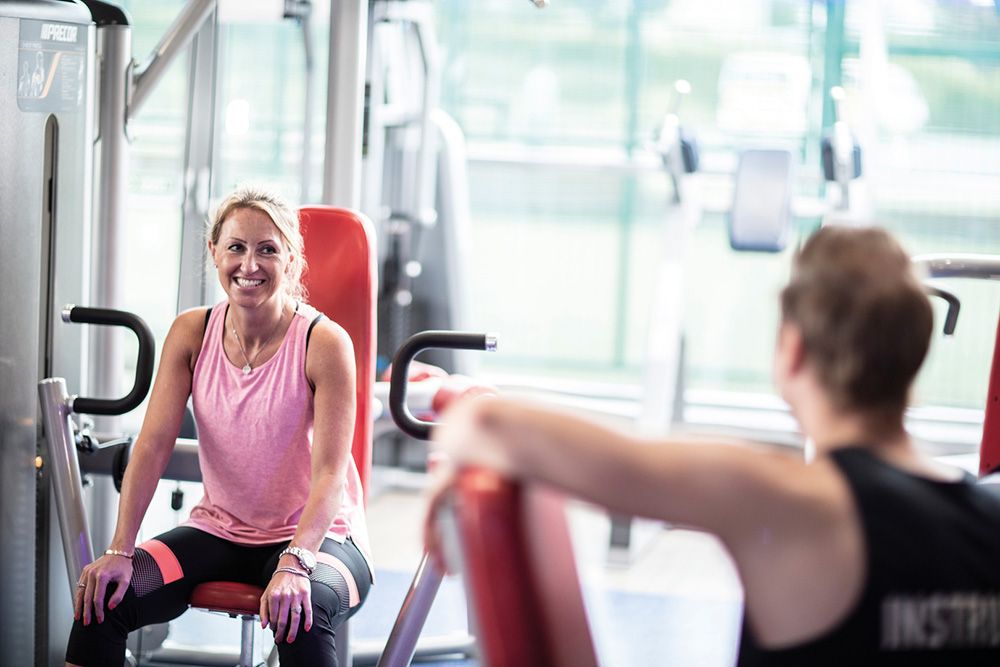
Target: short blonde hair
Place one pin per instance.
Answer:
(284, 217)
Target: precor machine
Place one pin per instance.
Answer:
(62, 220)
(47, 115)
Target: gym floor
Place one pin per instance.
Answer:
(677, 601)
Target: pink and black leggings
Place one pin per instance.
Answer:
(166, 570)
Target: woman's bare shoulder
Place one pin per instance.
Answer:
(191, 323)
(187, 333)
(329, 337)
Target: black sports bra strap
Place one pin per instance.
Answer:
(316, 320)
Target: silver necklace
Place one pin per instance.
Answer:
(248, 366)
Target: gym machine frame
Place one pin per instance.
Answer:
(981, 267)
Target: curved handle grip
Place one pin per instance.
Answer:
(143, 367)
(414, 345)
(951, 317)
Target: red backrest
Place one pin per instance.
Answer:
(989, 449)
(342, 278)
(520, 574)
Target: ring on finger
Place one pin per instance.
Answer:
(80, 584)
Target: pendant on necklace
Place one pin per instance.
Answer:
(247, 369)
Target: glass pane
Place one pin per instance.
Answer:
(923, 83)
(155, 167)
(570, 208)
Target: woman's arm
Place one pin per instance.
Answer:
(330, 368)
(160, 426)
(728, 489)
(150, 455)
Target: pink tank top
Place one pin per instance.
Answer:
(255, 440)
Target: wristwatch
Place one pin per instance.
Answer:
(307, 559)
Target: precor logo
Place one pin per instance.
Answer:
(58, 32)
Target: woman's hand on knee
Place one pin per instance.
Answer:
(286, 601)
(92, 588)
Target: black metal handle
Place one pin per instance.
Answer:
(414, 345)
(951, 317)
(143, 366)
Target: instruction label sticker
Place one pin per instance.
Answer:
(51, 58)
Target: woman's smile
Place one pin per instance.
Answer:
(249, 283)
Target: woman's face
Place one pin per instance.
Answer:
(251, 257)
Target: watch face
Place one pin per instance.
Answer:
(306, 558)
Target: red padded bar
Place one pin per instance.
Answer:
(520, 574)
(227, 596)
(341, 280)
(989, 450)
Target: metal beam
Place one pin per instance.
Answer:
(194, 289)
(345, 103)
(178, 35)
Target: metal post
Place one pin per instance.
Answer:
(345, 103)
(66, 480)
(309, 53)
(246, 641)
(194, 289)
(114, 44)
(402, 642)
(423, 180)
(373, 150)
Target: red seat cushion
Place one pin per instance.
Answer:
(227, 596)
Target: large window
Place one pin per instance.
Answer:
(154, 189)
(928, 103)
(568, 205)
(258, 136)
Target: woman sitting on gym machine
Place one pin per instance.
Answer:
(871, 553)
(273, 389)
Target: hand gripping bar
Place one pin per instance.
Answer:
(143, 366)
(414, 345)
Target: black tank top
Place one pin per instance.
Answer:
(932, 594)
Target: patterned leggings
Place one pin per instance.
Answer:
(166, 570)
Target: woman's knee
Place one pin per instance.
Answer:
(102, 643)
(315, 646)
(342, 573)
(331, 594)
